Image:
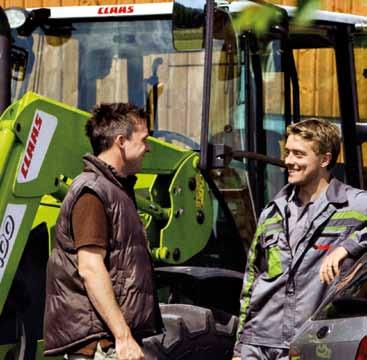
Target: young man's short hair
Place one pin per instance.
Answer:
(110, 120)
(324, 134)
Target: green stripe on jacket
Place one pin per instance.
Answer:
(251, 272)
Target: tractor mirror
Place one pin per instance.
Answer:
(188, 24)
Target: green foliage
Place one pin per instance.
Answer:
(305, 11)
(259, 17)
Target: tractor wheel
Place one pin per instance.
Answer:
(192, 333)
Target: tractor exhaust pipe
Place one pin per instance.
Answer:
(5, 69)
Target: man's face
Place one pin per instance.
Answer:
(304, 165)
(135, 148)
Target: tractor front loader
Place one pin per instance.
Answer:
(39, 159)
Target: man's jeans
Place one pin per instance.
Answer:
(99, 355)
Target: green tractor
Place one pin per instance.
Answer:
(220, 100)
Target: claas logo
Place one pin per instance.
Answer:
(110, 10)
(37, 124)
(39, 138)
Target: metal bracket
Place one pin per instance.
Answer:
(221, 155)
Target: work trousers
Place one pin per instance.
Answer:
(110, 354)
(255, 352)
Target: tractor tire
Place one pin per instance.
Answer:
(192, 333)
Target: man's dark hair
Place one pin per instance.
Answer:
(110, 120)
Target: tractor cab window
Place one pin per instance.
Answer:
(227, 126)
(360, 53)
(318, 84)
(269, 54)
(128, 60)
(83, 63)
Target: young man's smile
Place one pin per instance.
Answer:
(303, 163)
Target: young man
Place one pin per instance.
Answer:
(100, 296)
(302, 238)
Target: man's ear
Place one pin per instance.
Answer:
(326, 159)
(120, 140)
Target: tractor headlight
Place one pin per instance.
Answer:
(16, 17)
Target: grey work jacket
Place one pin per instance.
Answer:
(281, 290)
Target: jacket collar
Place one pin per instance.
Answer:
(335, 194)
(96, 165)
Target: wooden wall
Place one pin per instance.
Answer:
(358, 7)
(316, 68)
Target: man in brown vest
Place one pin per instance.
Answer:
(100, 295)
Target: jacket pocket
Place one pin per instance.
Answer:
(273, 256)
(275, 267)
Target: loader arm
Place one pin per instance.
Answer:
(42, 143)
(40, 140)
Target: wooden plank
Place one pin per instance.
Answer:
(340, 6)
(361, 65)
(52, 2)
(67, 2)
(324, 88)
(359, 7)
(177, 86)
(163, 89)
(195, 93)
(335, 94)
(306, 74)
(113, 87)
(50, 76)
(33, 3)
(10, 3)
(219, 95)
(70, 70)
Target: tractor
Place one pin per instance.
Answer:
(219, 98)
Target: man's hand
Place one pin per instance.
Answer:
(330, 267)
(128, 349)
(98, 284)
(236, 358)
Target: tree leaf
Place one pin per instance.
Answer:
(305, 11)
(257, 18)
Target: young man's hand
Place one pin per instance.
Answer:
(236, 358)
(128, 349)
(330, 267)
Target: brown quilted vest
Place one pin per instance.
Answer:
(70, 318)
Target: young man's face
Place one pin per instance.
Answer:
(304, 165)
(135, 148)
